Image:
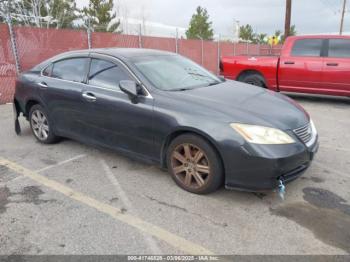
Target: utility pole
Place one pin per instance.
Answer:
(342, 18)
(288, 18)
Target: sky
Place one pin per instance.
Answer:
(266, 16)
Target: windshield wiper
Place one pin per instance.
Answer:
(180, 89)
(197, 74)
(211, 83)
(214, 83)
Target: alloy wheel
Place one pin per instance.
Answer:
(40, 125)
(190, 166)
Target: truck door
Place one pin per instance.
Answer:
(336, 67)
(301, 71)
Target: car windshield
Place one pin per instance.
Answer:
(173, 72)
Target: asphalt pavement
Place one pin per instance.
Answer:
(70, 198)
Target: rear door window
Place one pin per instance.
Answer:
(339, 48)
(307, 47)
(106, 74)
(73, 69)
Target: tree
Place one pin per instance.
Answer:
(278, 33)
(40, 13)
(260, 38)
(292, 32)
(100, 16)
(200, 27)
(246, 33)
(63, 13)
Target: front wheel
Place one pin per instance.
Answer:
(41, 125)
(194, 165)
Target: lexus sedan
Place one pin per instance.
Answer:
(164, 108)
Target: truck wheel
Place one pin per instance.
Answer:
(253, 79)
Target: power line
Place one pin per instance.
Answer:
(333, 6)
(337, 7)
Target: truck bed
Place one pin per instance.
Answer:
(233, 66)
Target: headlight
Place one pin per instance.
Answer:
(262, 135)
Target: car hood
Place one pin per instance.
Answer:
(238, 102)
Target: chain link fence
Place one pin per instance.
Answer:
(23, 47)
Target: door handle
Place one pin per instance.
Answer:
(289, 63)
(332, 64)
(42, 85)
(89, 96)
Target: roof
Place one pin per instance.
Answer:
(122, 53)
(130, 52)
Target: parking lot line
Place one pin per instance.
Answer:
(177, 242)
(125, 200)
(60, 163)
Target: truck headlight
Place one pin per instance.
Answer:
(262, 135)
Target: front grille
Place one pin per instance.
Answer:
(304, 133)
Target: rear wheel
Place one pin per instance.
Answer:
(254, 79)
(41, 125)
(194, 164)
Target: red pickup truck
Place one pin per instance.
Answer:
(308, 64)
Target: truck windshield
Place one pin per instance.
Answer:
(173, 72)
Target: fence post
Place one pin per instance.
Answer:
(89, 34)
(234, 49)
(140, 36)
(13, 44)
(89, 38)
(219, 54)
(202, 50)
(176, 41)
(259, 46)
(247, 48)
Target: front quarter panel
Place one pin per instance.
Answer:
(173, 118)
(247, 166)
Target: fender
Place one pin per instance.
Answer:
(179, 130)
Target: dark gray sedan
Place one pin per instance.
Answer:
(162, 107)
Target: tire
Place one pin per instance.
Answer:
(254, 79)
(200, 176)
(41, 126)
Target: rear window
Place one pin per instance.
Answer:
(73, 69)
(339, 48)
(307, 47)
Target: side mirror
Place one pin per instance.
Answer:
(130, 88)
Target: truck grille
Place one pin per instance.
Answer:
(304, 133)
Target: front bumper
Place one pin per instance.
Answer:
(263, 171)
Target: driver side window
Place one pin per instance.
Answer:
(106, 74)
